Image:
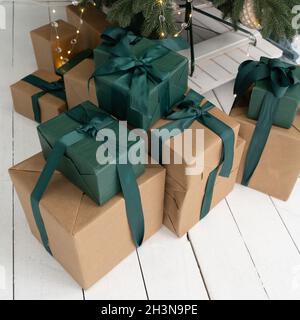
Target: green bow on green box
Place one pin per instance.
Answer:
(137, 79)
(275, 100)
(69, 145)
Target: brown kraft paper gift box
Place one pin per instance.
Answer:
(93, 23)
(76, 84)
(50, 105)
(279, 167)
(45, 43)
(183, 206)
(182, 216)
(88, 240)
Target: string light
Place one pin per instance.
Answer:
(74, 41)
(162, 18)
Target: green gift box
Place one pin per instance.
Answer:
(79, 163)
(287, 106)
(148, 81)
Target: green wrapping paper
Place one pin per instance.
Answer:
(287, 105)
(137, 79)
(79, 163)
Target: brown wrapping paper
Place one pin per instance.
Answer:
(50, 105)
(45, 43)
(88, 240)
(279, 166)
(212, 150)
(76, 83)
(183, 206)
(93, 24)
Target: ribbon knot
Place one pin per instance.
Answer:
(139, 71)
(281, 76)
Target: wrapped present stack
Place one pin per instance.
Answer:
(89, 208)
(267, 109)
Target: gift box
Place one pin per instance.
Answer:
(272, 81)
(48, 103)
(50, 52)
(279, 165)
(208, 155)
(138, 82)
(183, 205)
(288, 105)
(218, 152)
(100, 181)
(87, 240)
(76, 84)
(93, 23)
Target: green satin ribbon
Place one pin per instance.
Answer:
(89, 125)
(85, 54)
(281, 76)
(140, 71)
(190, 111)
(56, 88)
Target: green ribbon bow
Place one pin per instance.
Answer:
(281, 76)
(139, 71)
(56, 88)
(190, 111)
(89, 125)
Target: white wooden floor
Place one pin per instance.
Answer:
(247, 248)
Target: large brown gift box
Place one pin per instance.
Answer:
(50, 105)
(88, 240)
(183, 206)
(45, 45)
(185, 193)
(93, 23)
(76, 84)
(279, 167)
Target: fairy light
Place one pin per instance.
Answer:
(74, 41)
(185, 25)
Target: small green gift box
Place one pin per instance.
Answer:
(288, 105)
(137, 79)
(77, 129)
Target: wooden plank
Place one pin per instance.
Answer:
(27, 17)
(224, 260)
(270, 245)
(290, 214)
(37, 275)
(237, 55)
(225, 96)
(6, 159)
(5, 97)
(170, 268)
(6, 240)
(124, 282)
(211, 23)
(217, 45)
(226, 62)
(215, 70)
